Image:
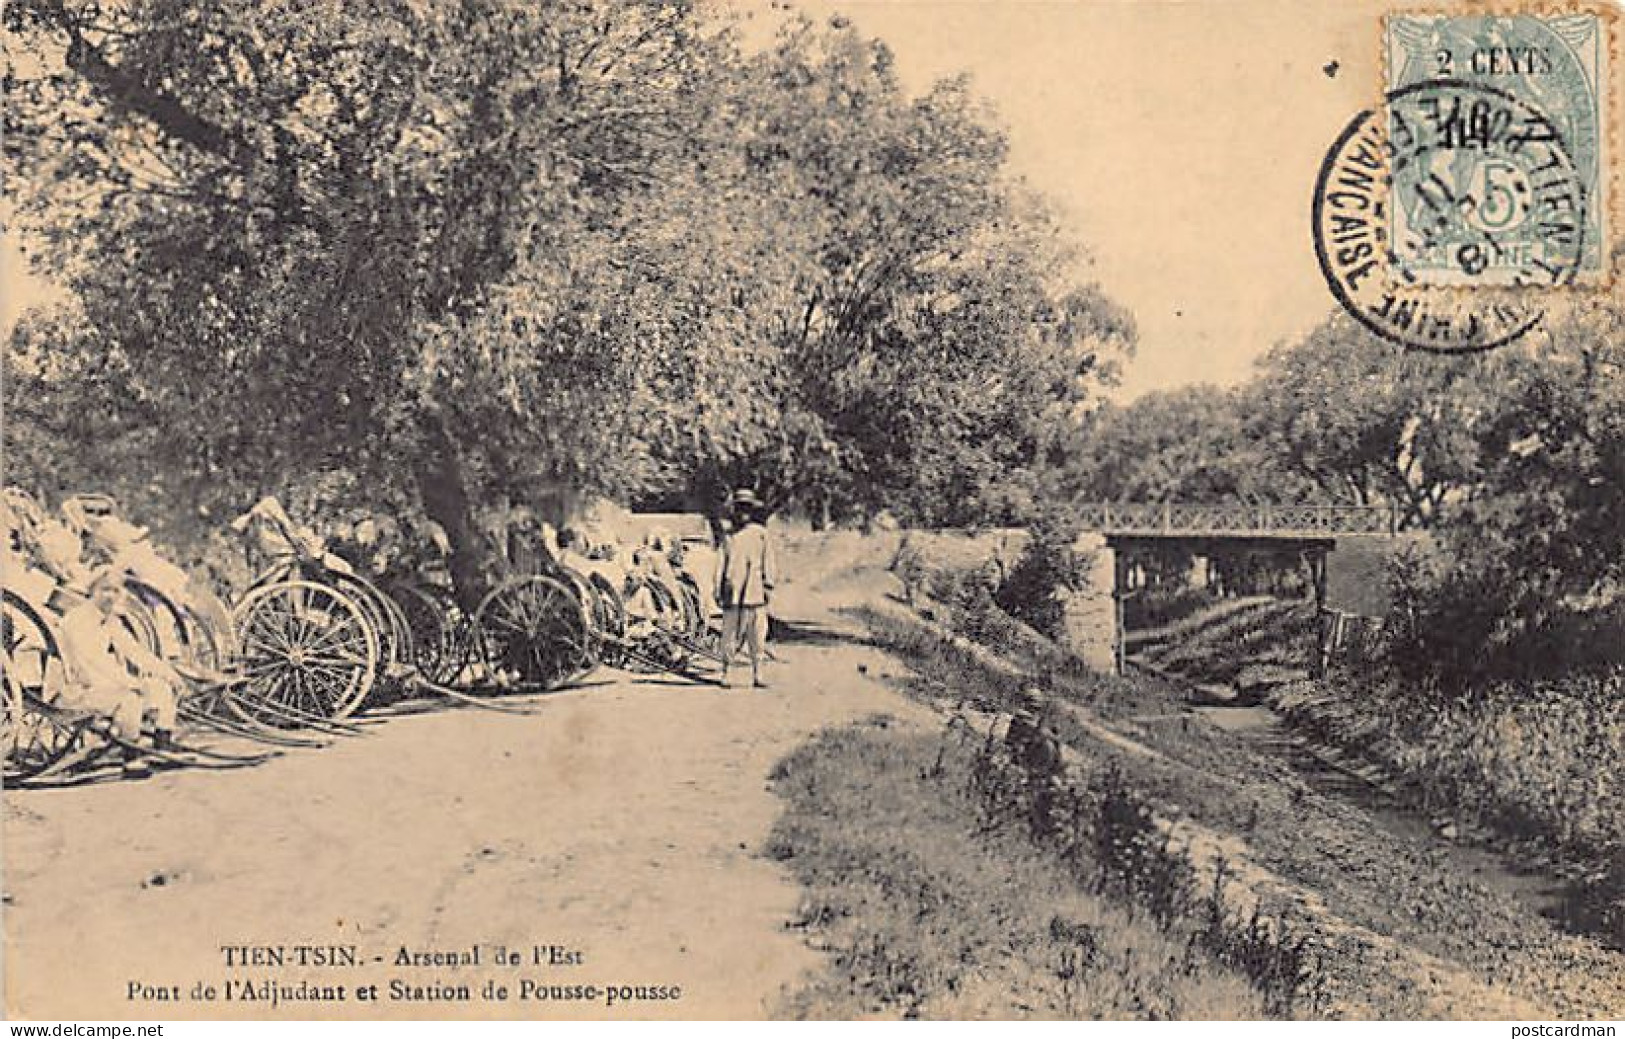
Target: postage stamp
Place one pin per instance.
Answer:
(1366, 274)
(1482, 189)
(1483, 179)
(1500, 168)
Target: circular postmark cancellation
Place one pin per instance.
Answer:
(1439, 218)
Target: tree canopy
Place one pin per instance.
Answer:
(464, 255)
(1527, 575)
(1366, 422)
(1194, 444)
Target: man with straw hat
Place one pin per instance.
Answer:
(744, 581)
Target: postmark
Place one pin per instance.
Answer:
(1473, 212)
(1483, 190)
(1449, 186)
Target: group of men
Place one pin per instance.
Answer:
(76, 568)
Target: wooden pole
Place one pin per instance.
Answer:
(1323, 634)
(1320, 578)
(1119, 575)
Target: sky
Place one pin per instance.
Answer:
(1179, 140)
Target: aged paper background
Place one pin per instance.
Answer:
(624, 822)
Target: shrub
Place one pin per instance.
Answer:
(1134, 855)
(1465, 618)
(1161, 605)
(1049, 564)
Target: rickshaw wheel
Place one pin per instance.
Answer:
(532, 633)
(439, 649)
(394, 633)
(310, 653)
(33, 739)
(180, 634)
(608, 611)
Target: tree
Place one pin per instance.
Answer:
(931, 338)
(265, 210)
(450, 257)
(1193, 444)
(1529, 568)
(1366, 422)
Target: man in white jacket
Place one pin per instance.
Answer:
(112, 675)
(744, 582)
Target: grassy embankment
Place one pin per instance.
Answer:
(1541, 765)
(932, 902)
(913, 888)
(938, 893)
(1538, 764)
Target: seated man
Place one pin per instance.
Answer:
(126, 547)
(274, 534)
(642, 613)
(112, 674)
(601, 560)
(18, 572)
(571, 552)
(529, 551)
(659, 560)
(699, 564)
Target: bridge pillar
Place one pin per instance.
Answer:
(1093, 618)
(1317, 571)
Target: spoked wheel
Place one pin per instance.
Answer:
(141, 622)
(671, 615)
(532, 633)
(180, 634)
(439, 647)
(389, 626)
(34, 739)
(693, 605)
(702, 635)
(395, 648)
(309, 654)
(648, 646)
(697, 638)
(608, 612)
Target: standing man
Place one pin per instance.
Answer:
(743, 582)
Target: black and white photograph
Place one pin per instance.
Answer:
(813, 510)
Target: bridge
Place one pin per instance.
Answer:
(1309, 532)
(1286, 522)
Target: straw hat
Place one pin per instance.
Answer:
(112, 575)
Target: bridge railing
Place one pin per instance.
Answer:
(1236, 520)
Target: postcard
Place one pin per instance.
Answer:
(822, 510)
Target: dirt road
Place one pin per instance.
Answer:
(620, 825)
(611, 840)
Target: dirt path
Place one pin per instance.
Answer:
(622, 821)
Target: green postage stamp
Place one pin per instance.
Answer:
(1500, 148)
